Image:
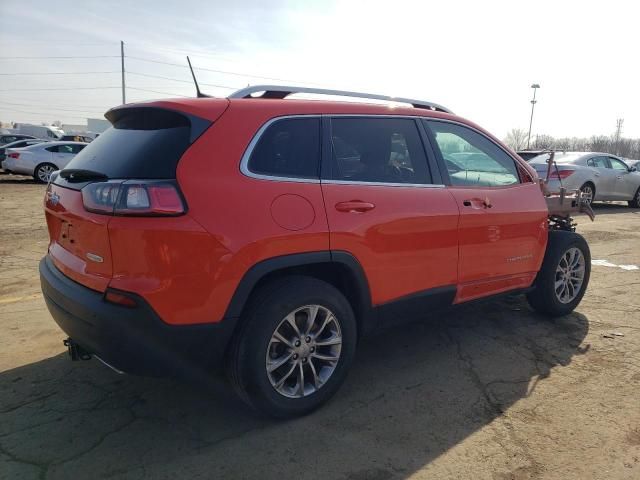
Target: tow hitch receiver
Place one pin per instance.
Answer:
(76, 352)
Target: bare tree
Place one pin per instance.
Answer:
(544, 141)
(516, 138)
(599, 143)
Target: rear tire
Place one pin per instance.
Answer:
(257, 348)
(588, 192)
(635, 202)
(564, 276)
(43, 172)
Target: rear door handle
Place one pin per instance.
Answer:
(354, 206)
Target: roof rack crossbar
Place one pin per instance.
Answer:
(280, 92)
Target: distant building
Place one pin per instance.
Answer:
(70, 128)
(97, 125)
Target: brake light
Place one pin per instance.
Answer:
(14, 155)
(133, 198)
(560, 174)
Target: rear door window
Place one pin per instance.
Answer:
(77, 148)
(65, 148)
(288, 148)
(598, 162)
(377, 150)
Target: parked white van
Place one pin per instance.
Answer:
(46, 132)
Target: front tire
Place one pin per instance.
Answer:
(564, 276)
(635, 202)
(294, 348)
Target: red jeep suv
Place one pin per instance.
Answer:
(263, 236)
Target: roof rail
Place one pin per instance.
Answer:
(280, 92)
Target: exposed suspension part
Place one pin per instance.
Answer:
(564, 204)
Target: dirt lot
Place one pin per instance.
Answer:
(485, 392)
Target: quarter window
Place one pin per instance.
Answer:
(288, 148)
(380, 150)
(472, 159)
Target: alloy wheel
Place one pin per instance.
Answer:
(587, 194)
(304, 351)
(44, 173)
(569, 275)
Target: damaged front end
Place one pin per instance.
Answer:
(564, 204)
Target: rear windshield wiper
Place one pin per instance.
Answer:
(81, 175)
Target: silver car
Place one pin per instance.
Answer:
(600, 176)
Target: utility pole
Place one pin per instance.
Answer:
(535, 87)
(124, 100)
(618, 134)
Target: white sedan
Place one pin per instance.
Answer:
(41, 160)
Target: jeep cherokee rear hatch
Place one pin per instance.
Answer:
(129, 170)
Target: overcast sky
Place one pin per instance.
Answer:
(478, 58)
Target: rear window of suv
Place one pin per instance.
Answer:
(143, 142)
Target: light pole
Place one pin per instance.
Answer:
(535, 87)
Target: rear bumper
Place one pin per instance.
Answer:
(133, 340)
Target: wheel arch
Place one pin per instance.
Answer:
(338, 268)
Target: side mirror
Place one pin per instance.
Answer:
(633, 169)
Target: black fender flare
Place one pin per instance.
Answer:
(367, 321)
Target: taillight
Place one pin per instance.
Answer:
(14, 155)
(560, 174)
(101, 197)
(133, 197)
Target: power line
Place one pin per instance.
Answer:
(57, 73)
(39, 113)
(180, 80)
(54, 43)
(225, 72)
(37, 106)
(51, 89)
(141, 46)
(157, 61)
(58, 58)
(52, 105)
(156, 91)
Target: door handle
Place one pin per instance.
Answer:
(477, 203)
(354, 206)
(619, 177)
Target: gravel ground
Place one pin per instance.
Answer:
(492, 391)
